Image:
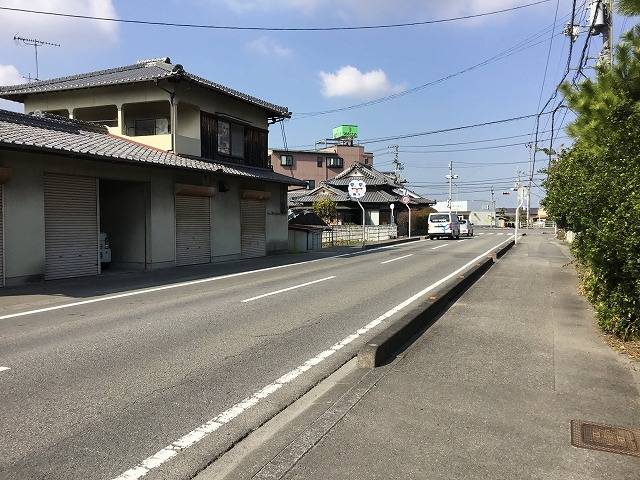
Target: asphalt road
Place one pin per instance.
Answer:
(94, 389)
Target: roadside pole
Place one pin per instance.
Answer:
(520, 191)
(357, 189)
(406, 199)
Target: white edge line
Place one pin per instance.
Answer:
(397, 258)
(225, 417)
(2, 369)
(440, 246)
(287, 289)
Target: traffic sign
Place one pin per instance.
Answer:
(357, 189)
(406, 199)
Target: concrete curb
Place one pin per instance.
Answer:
(392, 339)
(396, 242)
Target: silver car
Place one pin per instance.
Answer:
(466, 228)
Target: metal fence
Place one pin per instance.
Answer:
(352, 234)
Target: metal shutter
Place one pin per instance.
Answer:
(252, 228)
(1, 236)
(193, 230)
(70, 226)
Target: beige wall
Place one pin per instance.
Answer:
(24, 209)
(190, 100)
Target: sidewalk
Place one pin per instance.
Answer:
(489, 391)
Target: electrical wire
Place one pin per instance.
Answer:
(443, 130)
(269, 29)
(517, 48)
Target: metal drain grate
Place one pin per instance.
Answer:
(605, 437)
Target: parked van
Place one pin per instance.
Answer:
(443, 225)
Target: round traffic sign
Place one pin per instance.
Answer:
(357, 189)
(406, 199)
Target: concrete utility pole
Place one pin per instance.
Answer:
(518, 188)
(493, 206)
(397, 166)
(451, 177)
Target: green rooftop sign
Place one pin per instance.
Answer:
(345, 131)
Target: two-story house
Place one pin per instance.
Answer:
(168, 167)
(316, 166)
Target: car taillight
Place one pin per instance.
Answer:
(450, 225)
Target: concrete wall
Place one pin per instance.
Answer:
(24, 210)
(277, 223)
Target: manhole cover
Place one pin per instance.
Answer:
(605, 437)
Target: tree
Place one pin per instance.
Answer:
(326, 209)
(628, 7)
(593, 188)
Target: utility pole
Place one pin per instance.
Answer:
(397, 166)
(35, 43)
(451, 177)
(493, 206)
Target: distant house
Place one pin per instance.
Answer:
(172, 168)
(316, 166)
(382, 191)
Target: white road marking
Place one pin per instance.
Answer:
(481, 233)
(397, 258)
(225, 417)
(499, 234)
(440, 246)
(175, 285)
(2, 369)
(287, 289)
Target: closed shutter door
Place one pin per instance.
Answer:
(1, 236)
(70, 226)
(193, 230)
(252, 226)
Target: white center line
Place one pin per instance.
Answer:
(481, 233)
(2, 369)
(498, 234)
(287, 289)
(440, 246)
(239, 408)
(394, 259)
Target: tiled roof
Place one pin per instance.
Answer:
(372, 196)
(143, 71)
(51, 133)
(370, 175)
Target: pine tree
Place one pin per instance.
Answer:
(629, 7)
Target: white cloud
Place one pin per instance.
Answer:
(9, 75)
(71, 33)
(348, 81)
(268, 47)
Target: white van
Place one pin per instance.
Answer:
(443, 225)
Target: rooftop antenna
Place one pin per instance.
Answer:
(35, 43)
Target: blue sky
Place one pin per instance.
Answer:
(310, 72)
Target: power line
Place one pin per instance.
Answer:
(517, 48)
(490, 147)
(270, 29)
(444, 130)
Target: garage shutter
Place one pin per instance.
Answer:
(1, 236)
(193, 230)
(252, 227)
(70, 226)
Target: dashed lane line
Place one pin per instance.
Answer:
(287, 289)
(397, 258)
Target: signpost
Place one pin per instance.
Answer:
(357, 189)
(406, 199)
(393, 220)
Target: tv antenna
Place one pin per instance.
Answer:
(35, 43)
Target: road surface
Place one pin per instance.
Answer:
(156, 382)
